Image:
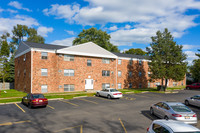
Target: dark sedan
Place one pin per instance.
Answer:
(35, 100)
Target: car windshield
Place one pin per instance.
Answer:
(180, 108)
(113, 90)
(38, 96)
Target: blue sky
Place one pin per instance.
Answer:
(130, 23)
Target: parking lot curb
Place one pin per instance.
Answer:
(55, 99)
(79, 97)
(145, 92)
(9, 103)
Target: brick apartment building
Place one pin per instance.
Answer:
(43, 68)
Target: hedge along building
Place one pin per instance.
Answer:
(46, 68)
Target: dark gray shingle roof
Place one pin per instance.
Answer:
(44, 46)
(131, 55)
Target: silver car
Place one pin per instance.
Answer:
(175, 111)
(195, 100)
(109, 93)
(171, 126)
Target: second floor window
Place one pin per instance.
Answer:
(130, 62)
(140, 62)
(119, 61)
(44, 72)
(106, 61)
(68, 72)
(119, 73)
(89, 62)
(140, 74)
(44, 55)
(105, 73)
(68, 58)
(129, 74)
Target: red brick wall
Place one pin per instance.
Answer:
(54, 63)
(23, 82)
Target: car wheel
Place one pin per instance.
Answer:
(44, 106)
(166, 118)
(187, 88)
(98, 94)
(29, 106)
(187, 102)
(22, 101)
(109, 97)
(151, 111)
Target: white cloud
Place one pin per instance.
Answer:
(43, 31)
(18, 5)
(186, 47)
(127, 26)
(145, 16)
(190, 56)
(113, 28)
(66, 42)
(1, 10)
(70, 32)
(7, 24)
(12, 11)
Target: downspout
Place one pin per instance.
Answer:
(31, 69)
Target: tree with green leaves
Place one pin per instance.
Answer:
(21, 31)
(136, 51)
(98, 37)
(195, 68)
(167, 58)
(4, 54)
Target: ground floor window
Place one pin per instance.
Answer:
(44, 89)
(174, 83)
(105, 85)
(68, 87)
(140, 85)
(119, 85)
(149, 84)
(130, 85)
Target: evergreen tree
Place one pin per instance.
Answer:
(195, 68)
(98, 37)
(167, 58)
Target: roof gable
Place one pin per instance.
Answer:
(87, 49)
(22, 49)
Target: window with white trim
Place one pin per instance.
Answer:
(105, 85)
(140, 62)
(130, 74)
(44, 72)
(130, 85)
(119, 85)
(68, 58)
(68, 87)
(106, 61)
(44, 55)
(105, 73)
(44, 88)
(130, 62)
(140, 74)
(149, 84)
(24, 57)
(140, 85)
(119, 61)
(68, 72)
(119, 73)
(175, 84)
(89, 62)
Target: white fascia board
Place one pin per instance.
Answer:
(43, 50)
(85, 54)
(124, 58)
(24, 52)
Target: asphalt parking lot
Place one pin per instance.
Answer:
(129, 114)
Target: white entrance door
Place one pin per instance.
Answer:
(88, 83)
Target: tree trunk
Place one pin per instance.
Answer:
(162, 82)
(166, 81)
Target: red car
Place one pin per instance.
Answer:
(35, 100)
(193, 86)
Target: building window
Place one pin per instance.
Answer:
(68, 58)
(140, 85)
(130, 85)
(105, 73)
(68, 87)
(149, 84)
(89, 62)
(105, 85)
(130, 74)
(149, 74)
(140, 62)
(44, 89)
(68, 72)
(106, 61)
(157, 83)
(174, 83)
(119, 73)
(24, 72)
(119, 61)
(119, 85)
(44, 72)
(140, 74)
(44, 55)
(130, 62)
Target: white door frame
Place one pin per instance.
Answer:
(89, 84)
